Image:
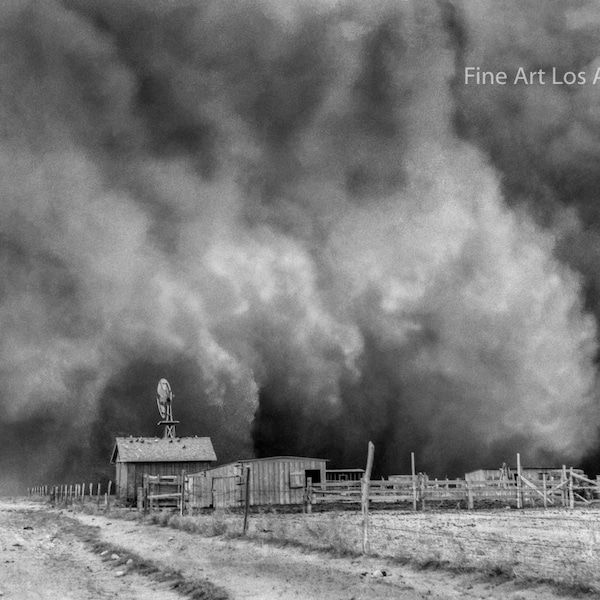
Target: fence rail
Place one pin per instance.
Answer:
(163, 492)
(573, 489)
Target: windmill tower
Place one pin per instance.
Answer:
(164, 401)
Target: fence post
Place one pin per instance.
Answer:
(308, 495)
(519, 483)
(365, 498)
(571, 494)
(470, 503)
(246, 499)
(414, 481)
(545, 490)
(182, 507)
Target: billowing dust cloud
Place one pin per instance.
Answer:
(297, 214)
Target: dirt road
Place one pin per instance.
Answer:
(44, 555)
(41, 558)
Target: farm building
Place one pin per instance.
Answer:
(135, 457)
(273, 480)
(533, 474)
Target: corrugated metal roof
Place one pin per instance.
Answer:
(155, 449)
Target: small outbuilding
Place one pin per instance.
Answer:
(135, 457)
(271, 481)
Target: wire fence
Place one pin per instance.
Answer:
(556, 547)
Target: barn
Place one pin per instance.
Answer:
(135, 457)
(273, 480)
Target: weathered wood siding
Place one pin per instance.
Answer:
(130, 476)
(279, 480)
(121, 480)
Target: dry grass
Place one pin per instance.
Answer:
(561, 547)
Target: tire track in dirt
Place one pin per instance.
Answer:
(41, 558)
(260, 571)
(47, 554)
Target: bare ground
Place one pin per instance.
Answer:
(52, 561)
(41, 558)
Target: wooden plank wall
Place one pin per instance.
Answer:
(270, 480)
(121, 480)
(130, 476)
(269, 483)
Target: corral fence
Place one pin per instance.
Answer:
(420, 491)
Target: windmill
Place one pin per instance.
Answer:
(164, 401)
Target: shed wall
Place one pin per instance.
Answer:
(130, 476)
(121, 480)
(276, 481)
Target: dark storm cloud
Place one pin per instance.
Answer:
(270, 206)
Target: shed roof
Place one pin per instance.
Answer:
(284, 458)
(267, 459)
(155, 449)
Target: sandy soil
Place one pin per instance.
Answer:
(43, 562)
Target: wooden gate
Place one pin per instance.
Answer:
(162, 492)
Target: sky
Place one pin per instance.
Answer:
(312, 218)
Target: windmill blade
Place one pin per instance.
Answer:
(163, 396)
(162, 408)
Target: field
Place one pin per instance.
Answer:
(491, 554)
(561, 546)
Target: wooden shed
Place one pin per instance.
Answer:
(135, 457)
(272, 480)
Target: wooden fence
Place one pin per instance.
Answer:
(422, 492)
(73, 492)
